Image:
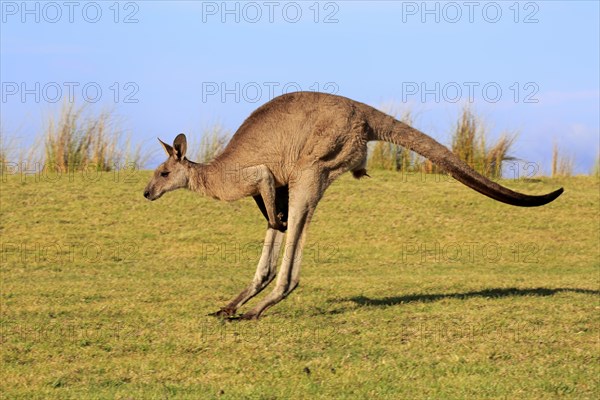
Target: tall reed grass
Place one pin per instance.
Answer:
(469, 143)
(6, 145)
(213, 142)
(77, 139)
(562, 164)
(13, 151)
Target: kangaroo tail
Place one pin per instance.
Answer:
(386, 128)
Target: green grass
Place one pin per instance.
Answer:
(409, 290)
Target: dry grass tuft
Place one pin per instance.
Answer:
(214, 140)
(77, 140)
(562, 165)
(469, 142)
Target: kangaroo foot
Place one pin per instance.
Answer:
(244, 317)
(223, 312)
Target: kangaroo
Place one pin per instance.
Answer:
(285, 155)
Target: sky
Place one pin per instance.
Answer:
(163, 68)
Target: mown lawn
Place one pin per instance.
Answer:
(411, 288)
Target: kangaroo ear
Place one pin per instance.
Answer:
(180, 146)
(168, 149)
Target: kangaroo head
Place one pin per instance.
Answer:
(173, 173)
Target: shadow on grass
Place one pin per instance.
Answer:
(486, 293)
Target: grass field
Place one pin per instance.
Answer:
(411, 288)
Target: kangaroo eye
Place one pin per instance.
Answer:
(164, 174)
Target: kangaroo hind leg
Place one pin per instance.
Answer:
(303, 200)
(265, 273)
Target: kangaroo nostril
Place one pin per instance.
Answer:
(146, 194)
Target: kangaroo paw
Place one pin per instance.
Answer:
(280, 226)
(280, 219)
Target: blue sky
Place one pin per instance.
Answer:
(531, 67)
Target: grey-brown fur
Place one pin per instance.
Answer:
(299, 143)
